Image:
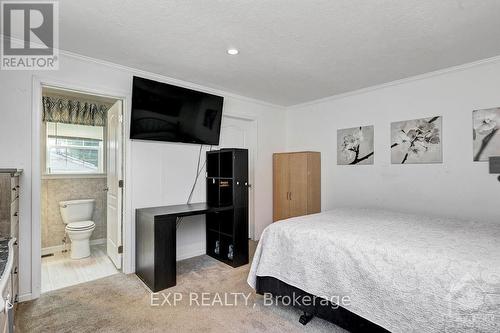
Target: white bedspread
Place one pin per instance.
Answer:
(406, 273)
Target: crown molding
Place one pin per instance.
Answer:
(167, 79)
(438, 72)
(192, 85)
(159, 77)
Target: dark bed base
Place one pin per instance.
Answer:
(334, 314)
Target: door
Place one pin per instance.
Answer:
(114, 184)
(281, 187)
(298, 184)
(242, 133)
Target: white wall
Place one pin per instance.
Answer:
(171, 160)
(459, 187)
(161, 173)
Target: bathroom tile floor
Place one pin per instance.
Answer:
(61, 271)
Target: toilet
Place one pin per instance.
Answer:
(77, 215)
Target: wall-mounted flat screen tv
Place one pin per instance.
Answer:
(163, 112)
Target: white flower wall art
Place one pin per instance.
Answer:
(486, 133)
(417, 141)
(355, 145)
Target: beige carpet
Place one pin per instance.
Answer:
(121, 303)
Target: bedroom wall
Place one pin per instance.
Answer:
(161, 173)
(458, 187)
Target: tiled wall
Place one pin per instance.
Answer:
(55, 190)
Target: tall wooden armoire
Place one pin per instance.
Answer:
(296, 184)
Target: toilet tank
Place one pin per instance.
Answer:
(77, 210)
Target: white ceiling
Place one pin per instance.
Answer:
(291, 51)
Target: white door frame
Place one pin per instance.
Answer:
(36, 177)
(251, 192)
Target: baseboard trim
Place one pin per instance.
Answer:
(186, 253)
(24, 297)
(60, 248)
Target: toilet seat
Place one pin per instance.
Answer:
(80, 226)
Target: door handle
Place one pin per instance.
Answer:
(106, 189)
(290, 196)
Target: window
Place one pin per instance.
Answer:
(74, 149)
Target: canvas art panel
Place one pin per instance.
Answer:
(355, 145)
(417, 141)
(486, 133)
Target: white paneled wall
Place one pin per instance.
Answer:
(160, 173)
(458, 187)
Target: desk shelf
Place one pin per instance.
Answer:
(227, 185)
(226, 212)
(155, 259)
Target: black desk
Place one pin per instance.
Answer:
(155, 241)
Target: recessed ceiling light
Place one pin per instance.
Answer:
(232, 51)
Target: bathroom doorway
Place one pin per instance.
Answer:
(81, 153)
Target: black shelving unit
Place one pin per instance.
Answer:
(227, 186)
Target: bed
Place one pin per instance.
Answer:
(400, 272)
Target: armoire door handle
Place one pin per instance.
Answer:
(290, 196)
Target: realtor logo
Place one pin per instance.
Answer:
(30, 35)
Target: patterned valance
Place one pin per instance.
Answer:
(60, 109)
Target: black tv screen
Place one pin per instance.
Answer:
(163, 112)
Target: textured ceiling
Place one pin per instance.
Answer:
(291, 51)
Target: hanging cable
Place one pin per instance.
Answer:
(198, 172)
(196, 178)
